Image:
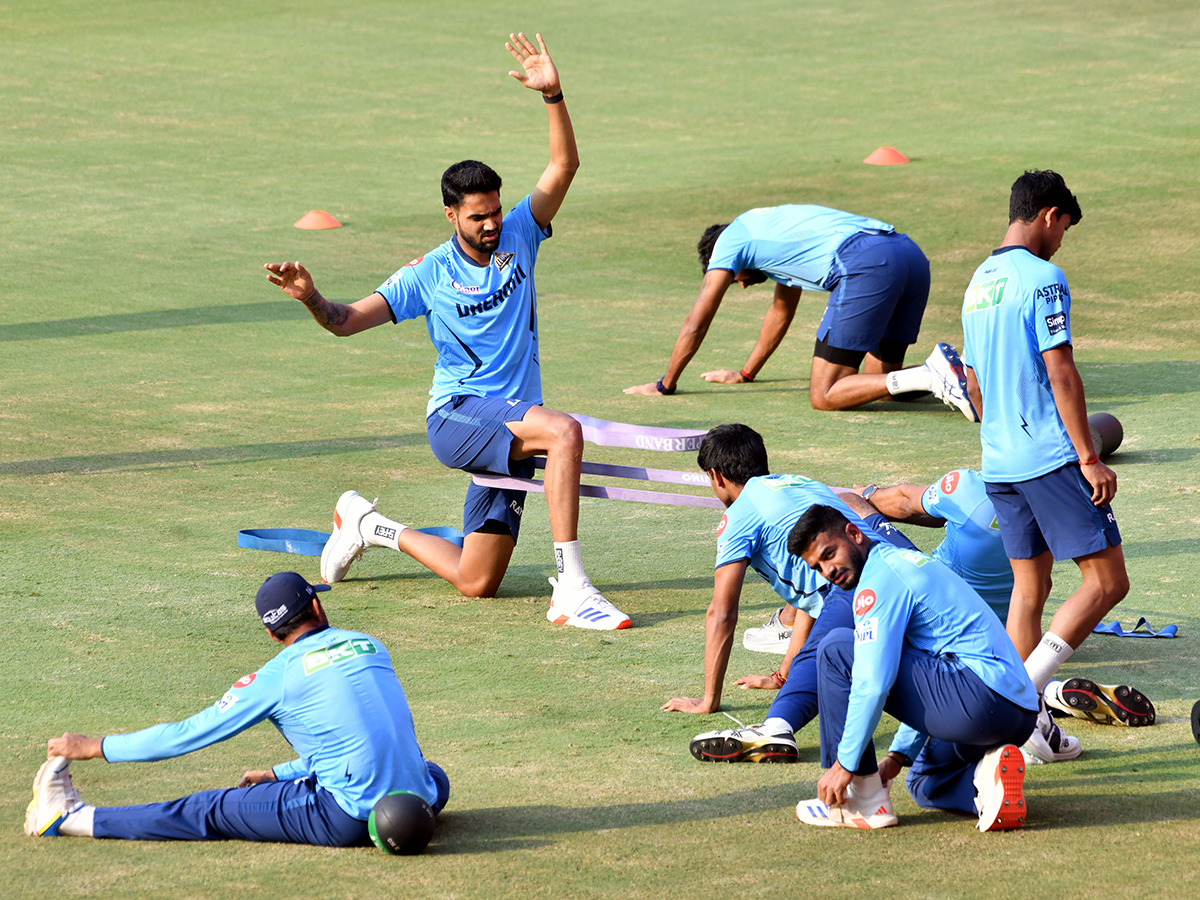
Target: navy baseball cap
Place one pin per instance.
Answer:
(282, 596)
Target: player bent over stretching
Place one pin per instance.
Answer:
(476, 292)
(1049, 488)
(926, 649)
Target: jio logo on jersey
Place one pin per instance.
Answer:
(864, 601)
(721, 527)
(245, 681)
(949, 482)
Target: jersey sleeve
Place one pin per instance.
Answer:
(732, 250)
(1051, 311)
(406, 291)
(250, 700)
(939, 499)
(736, 536)
(289, 770)
(882, 608)
(907, 741)
(520, 219)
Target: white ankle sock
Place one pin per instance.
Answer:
(918, 378)
(570, 561)
(377, 531)
(1046, 658)
(777, 725)
(78, 823)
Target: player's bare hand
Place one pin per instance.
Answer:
(650, 389)
(256, 776)
(758, 683)
(539, 72)
(75, 746)
(723, 376)
(889, 768)
(831, 789)
(1103, 481)
(689, 705)
(291, 278)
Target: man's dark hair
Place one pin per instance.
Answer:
(736, 451)
(707, 241)
(816, 520)
(1040, 189)
(296, 622)
(468, 177)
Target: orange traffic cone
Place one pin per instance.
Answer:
(318, 218)
(886, 156)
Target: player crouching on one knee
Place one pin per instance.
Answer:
(926, 649)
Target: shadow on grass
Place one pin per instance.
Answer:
(506, 828)
(234, 314)
(155, 459)
(1107, 381)
(1144, 457)
(1145, 549)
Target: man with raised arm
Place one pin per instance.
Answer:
(878, 283)
(476, 293)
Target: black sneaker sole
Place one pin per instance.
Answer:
(1196, 721)
(731, 750)
(1120, 705)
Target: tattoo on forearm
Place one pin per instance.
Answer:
(328, 315)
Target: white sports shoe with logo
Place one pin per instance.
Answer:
(345, 545)
(771, 637)
(949, 380)
(1049, 743)
(54, 798)
(868, 805)
(583, 606)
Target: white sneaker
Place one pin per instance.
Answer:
(999, 777)
(54, 798)
(744, 745)
(345, 545)
(771, 637)
(1049, 743)
(949, 380)
(868, 805)
(583, 606)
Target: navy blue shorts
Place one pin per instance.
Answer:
(880, 294)
(1053, 512)
(471, 433)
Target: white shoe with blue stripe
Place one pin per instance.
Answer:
(583, 606)
(868, 806)
(54, 798)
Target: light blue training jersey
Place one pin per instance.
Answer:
(793, 245)
(904, 598)
(756, 526)
(334, 696)
(972, 547)
(1017, 307)
(482, 319)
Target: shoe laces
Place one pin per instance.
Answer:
(71, 797)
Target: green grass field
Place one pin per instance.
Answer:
(158, 395)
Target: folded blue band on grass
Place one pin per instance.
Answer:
(1168, 631)
(305, 542)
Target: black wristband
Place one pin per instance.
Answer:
(665, 391)
(557, 98)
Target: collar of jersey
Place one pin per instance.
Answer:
(1008, 248)
(459, 250)
(309, 634)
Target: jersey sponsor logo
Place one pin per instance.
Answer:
(388, 534)
(316, 660)
(273, 616)
(1053, 293)
(912, 556)
(646, 442)
(494, 301)
(227, 701)
(501, 260)
(930, 499)
(244, 681)
(465, 288)
(865, 631)
(984, 295)
(949, 482)
(413, 262)
(779, 482)
(1056, 323)
(864, 601)
(724, 522)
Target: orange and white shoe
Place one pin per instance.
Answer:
(583, 606)
(868, 805)
(346, 544)
(999, 778)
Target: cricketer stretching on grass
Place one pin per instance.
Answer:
(476, 292)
